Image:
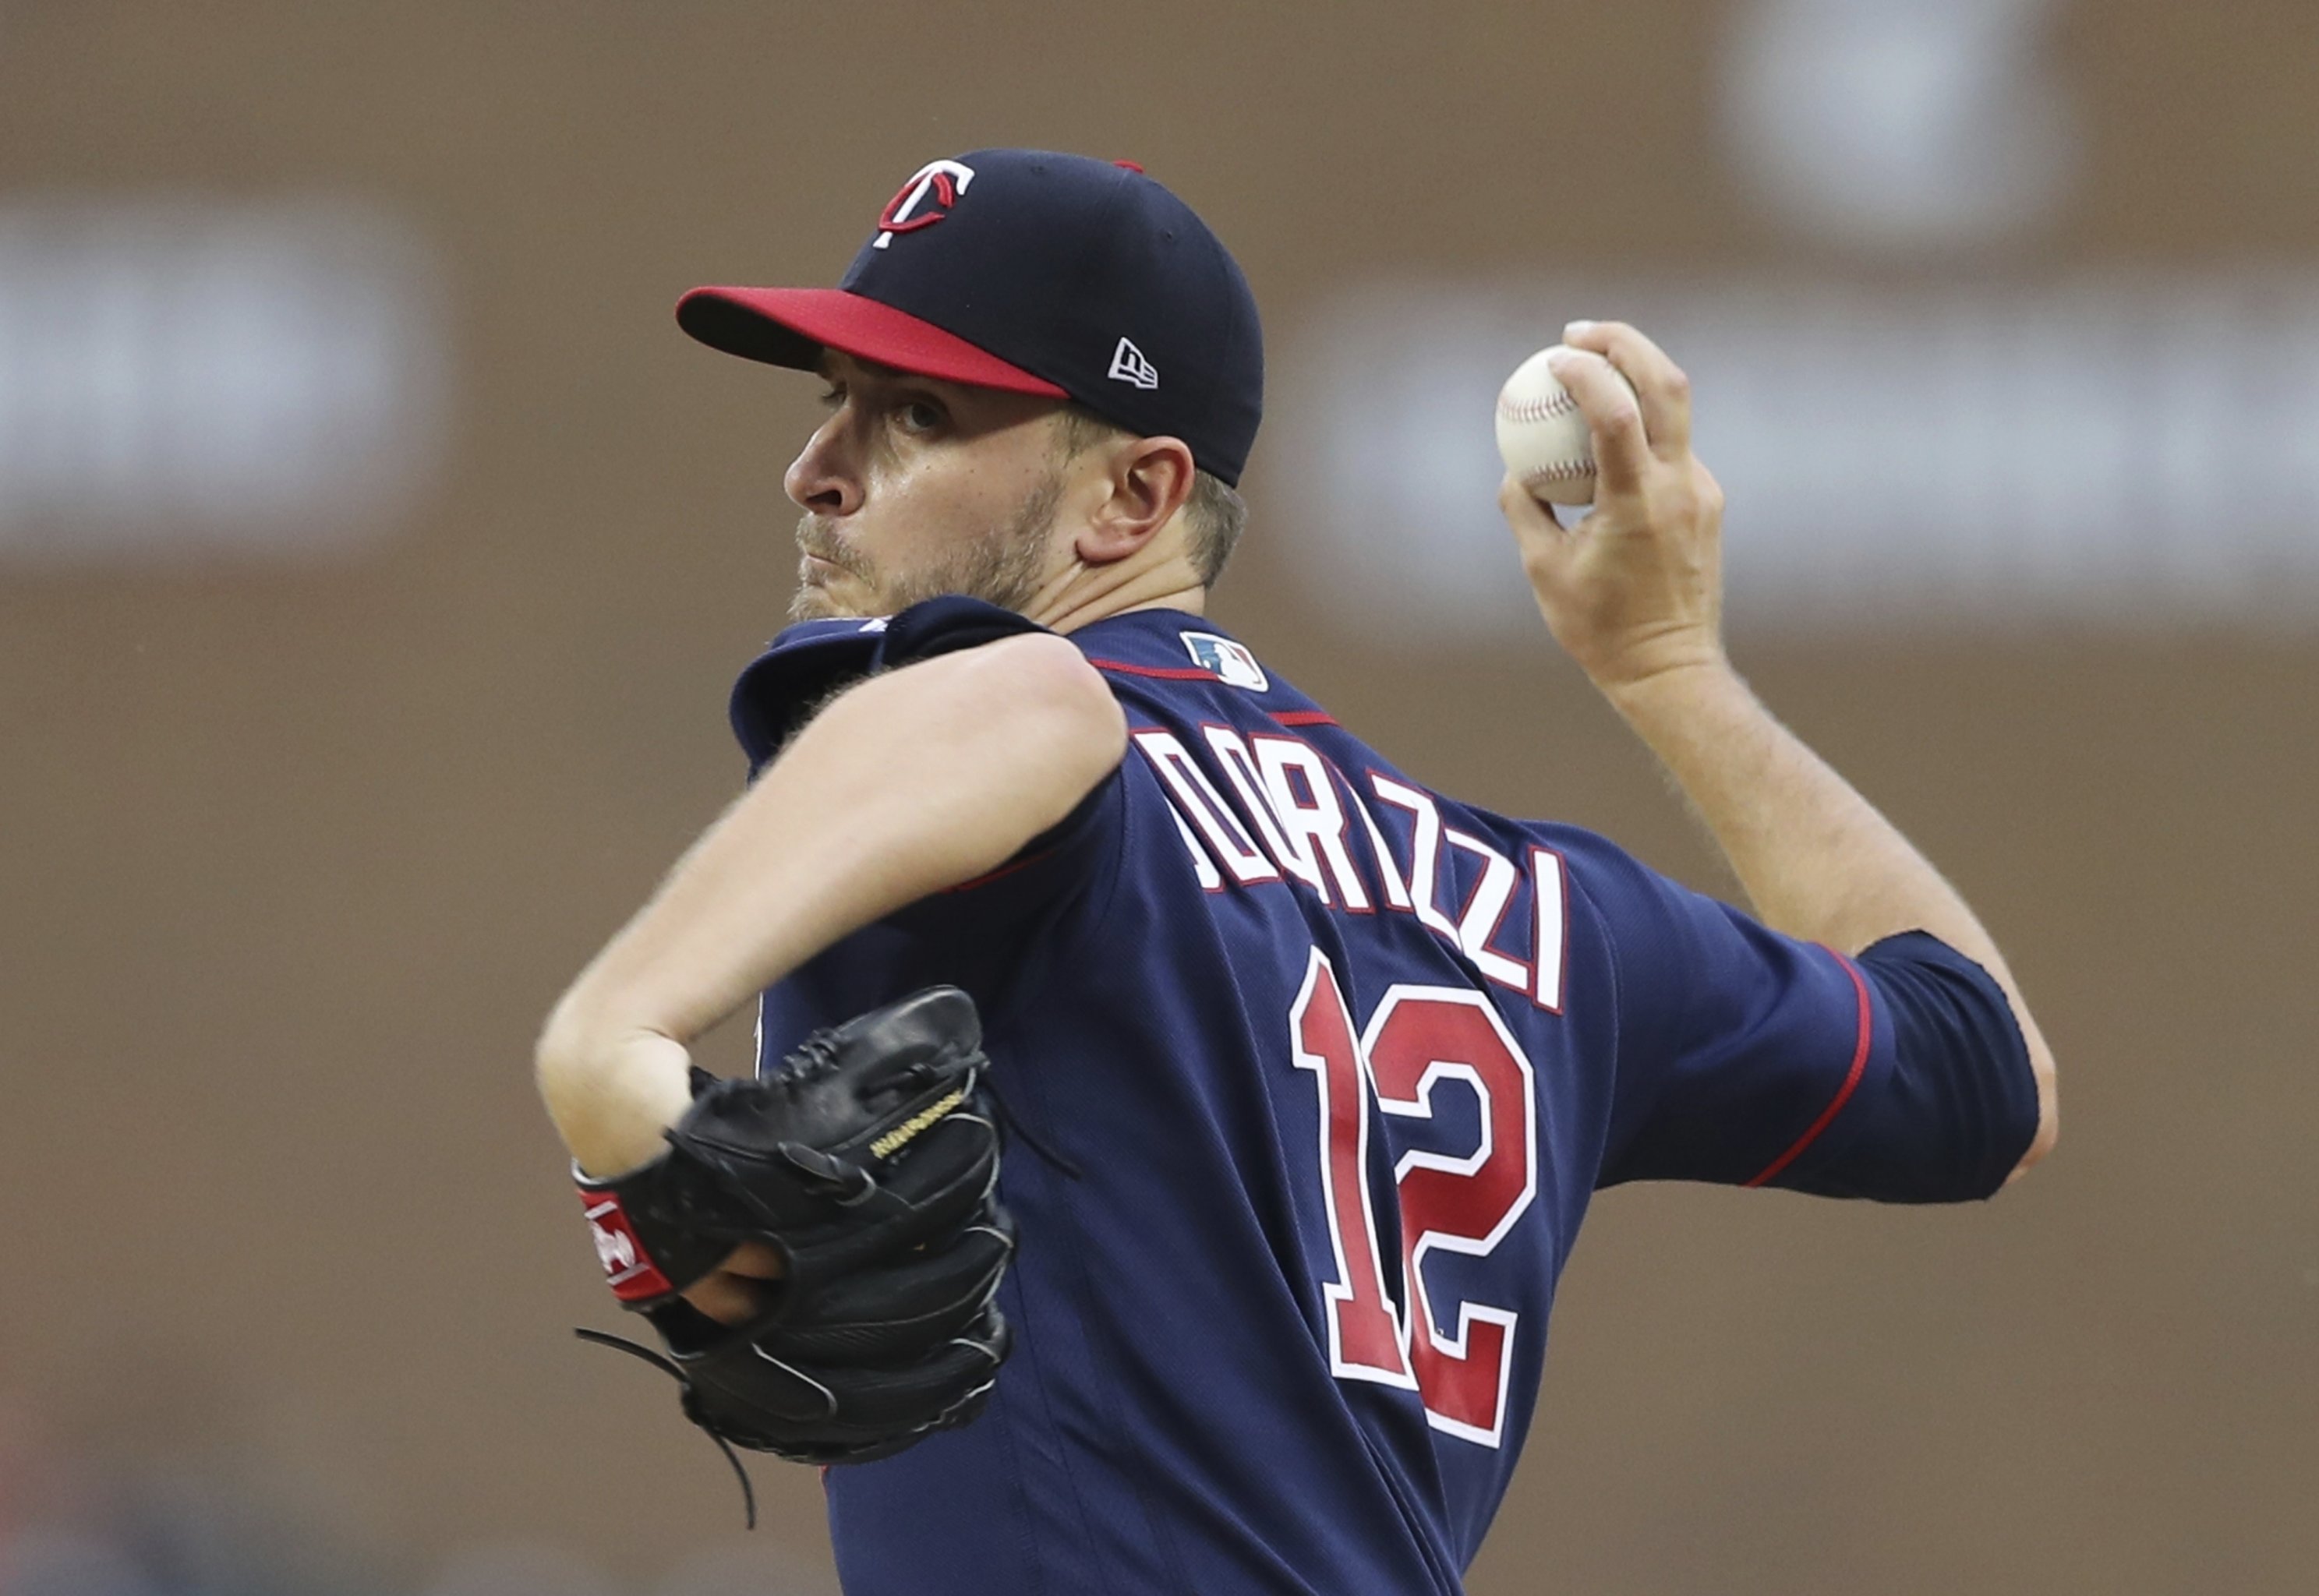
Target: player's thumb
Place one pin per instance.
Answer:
(1525, 512)
(1545, 544)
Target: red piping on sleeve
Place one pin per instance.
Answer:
(1165, 672)
(1003, 870)
(1304, 717)
(1842, 1093)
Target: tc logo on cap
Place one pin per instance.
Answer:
(926, 199)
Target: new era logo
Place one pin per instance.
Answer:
(1128, 365)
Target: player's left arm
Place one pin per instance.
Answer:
(913, 781)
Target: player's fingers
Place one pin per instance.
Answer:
(754, 1260)
(1661, 385)
(728, 1299)
(1547, 547)
(1527, 513)
(1622, 452)
(735, 1289)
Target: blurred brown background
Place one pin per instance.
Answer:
(296, 847)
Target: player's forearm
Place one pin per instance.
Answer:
(1816, 858)
(910, 783)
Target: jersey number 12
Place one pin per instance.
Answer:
(1419, 1036)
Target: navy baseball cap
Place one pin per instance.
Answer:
(1037, 273)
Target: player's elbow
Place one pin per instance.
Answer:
(2049, 1105)
(1967, 1103)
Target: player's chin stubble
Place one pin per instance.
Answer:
(1004, 567)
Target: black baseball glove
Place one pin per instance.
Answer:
(865, 1161)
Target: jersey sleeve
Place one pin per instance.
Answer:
(812, 662)
(1746, 1058)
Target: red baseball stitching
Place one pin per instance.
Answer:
(1536, 409)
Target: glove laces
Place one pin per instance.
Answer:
(1014, 1126)
(748, 1491)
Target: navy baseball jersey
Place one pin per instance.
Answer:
(1309, 1073)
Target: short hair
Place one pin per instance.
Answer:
(1214, 515)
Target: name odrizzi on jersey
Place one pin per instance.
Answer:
(1295, 821)
(1294, 818)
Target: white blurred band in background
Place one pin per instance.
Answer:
(188, 378)
(1900, 126)
(2120, 450)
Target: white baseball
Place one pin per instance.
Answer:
(1542, 438)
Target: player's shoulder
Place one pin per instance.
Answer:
(812, 659)
(932, 626)
(1607, 895)
(1171, 645)
(1176, 666)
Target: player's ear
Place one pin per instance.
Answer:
(1149, 479)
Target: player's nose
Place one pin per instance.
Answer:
(819, 478)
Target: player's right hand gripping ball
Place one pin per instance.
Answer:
(1542, 435)
(865, 1161)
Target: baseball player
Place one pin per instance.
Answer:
(1306, 1072)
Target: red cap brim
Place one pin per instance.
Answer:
(792, 326)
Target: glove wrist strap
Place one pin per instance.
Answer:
(648, 1256)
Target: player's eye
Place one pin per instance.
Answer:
(834, 398)
(919, 415)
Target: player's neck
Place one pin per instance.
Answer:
(1084, 594)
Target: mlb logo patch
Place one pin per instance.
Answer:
(1230, 661)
